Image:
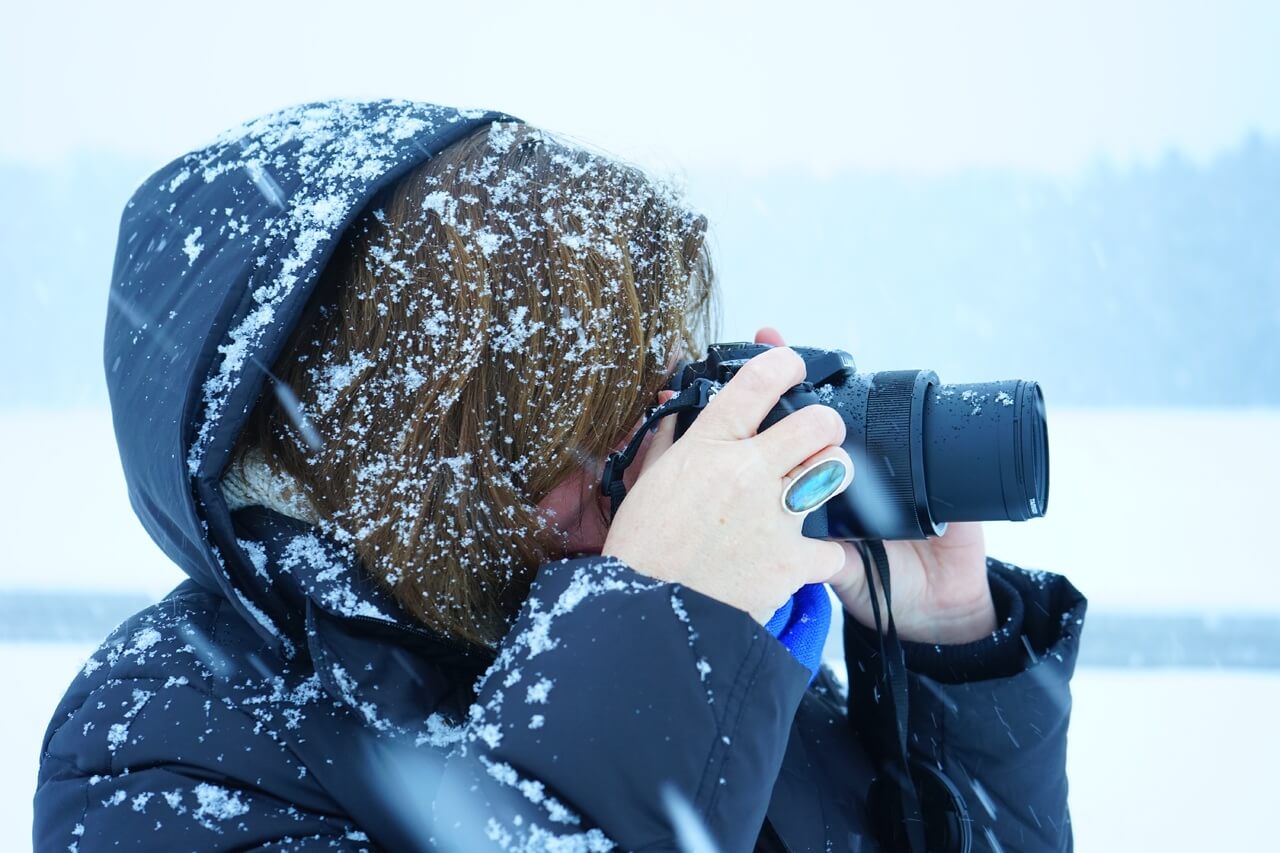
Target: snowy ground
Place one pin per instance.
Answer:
(1151, 511)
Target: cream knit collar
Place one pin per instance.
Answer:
(251, 482)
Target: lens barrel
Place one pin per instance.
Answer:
(986, 451)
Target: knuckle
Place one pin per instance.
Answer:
(838, 427)
(818, 423)
(844, 454)
(755, 377)
(825, 421)
(775, 369)
(835, 561)
(823, 561)
(791, 359)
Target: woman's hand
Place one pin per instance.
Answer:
(939, 585)
(706, 511)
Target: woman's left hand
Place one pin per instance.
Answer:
(939, 585)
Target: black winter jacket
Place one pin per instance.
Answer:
(278, 700)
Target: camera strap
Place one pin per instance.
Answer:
(892, 690)
(695, 396)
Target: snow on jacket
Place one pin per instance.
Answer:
(277, 699)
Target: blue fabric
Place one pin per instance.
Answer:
(802, 624)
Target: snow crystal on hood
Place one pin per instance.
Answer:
(330, 577)
(328, 154)
(215, 803)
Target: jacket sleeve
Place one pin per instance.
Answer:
(622, 711)
(989, 716)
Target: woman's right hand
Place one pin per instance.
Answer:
(706, 510)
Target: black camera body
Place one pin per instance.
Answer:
(924, 453)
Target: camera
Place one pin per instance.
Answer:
(924, 453)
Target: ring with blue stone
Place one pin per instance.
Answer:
(814, 486)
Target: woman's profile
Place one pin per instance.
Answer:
(366, 360)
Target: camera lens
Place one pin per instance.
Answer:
(986, 451)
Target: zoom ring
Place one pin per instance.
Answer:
(889, 443)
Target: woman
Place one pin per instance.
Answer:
(365, 360)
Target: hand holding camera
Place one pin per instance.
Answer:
(705, 511)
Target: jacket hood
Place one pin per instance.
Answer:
(218, 254)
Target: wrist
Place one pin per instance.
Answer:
(954, 624)
(951, 626)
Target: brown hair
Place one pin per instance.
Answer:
(499, 317)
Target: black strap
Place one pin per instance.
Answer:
(893, 681)
(695, 396)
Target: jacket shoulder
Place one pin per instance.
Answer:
(170, 722)
(189, 642)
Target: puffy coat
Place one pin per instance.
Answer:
(277, 699)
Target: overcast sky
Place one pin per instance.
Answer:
(904, 86)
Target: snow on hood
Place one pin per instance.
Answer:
(218, 254)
